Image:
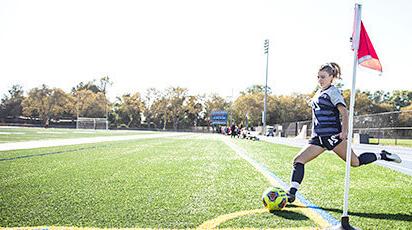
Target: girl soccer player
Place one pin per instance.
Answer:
(327, 130)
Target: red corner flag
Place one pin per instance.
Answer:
(367, 56)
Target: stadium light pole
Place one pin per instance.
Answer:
(106, 111)
(266, 46)
(77, 110)
(231, 107)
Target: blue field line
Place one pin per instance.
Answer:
(325, 215)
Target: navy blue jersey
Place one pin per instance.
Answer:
(325, 114)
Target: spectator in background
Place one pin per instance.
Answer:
(233, 130)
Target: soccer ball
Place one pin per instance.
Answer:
(274, 198)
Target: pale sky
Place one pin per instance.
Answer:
(213, 46)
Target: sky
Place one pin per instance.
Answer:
(213, 46)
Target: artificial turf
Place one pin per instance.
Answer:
(184, 182)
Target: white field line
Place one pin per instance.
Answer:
(84, 132)
(396, 167)
(11, 133)
(404, 152)
(324, 220)
(63, 142)
(50, 132)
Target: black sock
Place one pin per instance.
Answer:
(367, 158)
(297, 176)
(383, 156)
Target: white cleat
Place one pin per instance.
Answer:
(391, 157)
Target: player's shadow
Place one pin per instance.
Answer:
(382, 216)
(290, 215)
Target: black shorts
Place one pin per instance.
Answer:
(327, 142)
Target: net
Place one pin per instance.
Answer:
(91, 123)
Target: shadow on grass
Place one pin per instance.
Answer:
(382, 216)
(290, 215)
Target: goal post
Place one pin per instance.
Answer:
(92, 123)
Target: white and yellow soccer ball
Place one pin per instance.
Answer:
(274, 198)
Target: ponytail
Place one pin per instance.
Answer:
(332, 69)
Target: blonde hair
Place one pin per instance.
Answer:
(332, 69)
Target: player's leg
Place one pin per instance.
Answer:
(365, 158)
(340, 150)
(305, 155)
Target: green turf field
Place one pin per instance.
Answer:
(11, 134)
(378, 196)
(183, 183)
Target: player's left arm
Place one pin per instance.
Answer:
(345, 121)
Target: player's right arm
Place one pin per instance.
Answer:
(345, 121)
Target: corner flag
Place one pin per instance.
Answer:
(367, 56)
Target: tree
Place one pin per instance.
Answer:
(104, 82)
(90, 85)
(129, 109)
(151, 96)
(94, 86)
(405, 118)
(401, 98)
(379, 96)
(90, 104)
(365, 105)
(173, 108)
(193, 108)
(62, 104)
(11, 105)
(289, 108)
(280, 109)
(248, 106)
(176, 97)
(159, 111)
(256, 89)
(46, 103)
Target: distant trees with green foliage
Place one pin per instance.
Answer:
(11, 103)
(175, 108)
(128, 110)
(46, 103)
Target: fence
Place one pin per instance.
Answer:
(393, 126)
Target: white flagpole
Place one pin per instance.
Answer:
(345, 216)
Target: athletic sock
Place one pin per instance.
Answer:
(383, 156)
(297, 176)
(293, 190)
(367, 158)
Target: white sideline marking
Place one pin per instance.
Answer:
(10, 127)
(11, 133)
(394, 166)
(49, 132)
(85, 132)
(63, 142)
(404, 152)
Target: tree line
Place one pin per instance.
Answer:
(174, 108)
